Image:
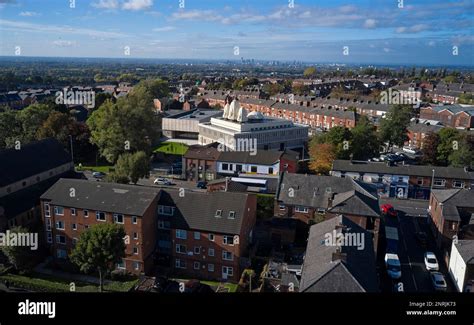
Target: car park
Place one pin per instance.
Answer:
(392, 263)
(438, 281)
(431, 262)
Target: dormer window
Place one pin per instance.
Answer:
(231, 214)
(218, 214)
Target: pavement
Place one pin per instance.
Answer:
(412, 217)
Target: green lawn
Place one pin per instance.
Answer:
(103, 169)
(173, 148)
(47, 283)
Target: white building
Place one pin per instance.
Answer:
(461, 264)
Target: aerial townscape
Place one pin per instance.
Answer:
(229, 148)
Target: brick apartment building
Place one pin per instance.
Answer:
(205, 235)
(455, 115)
(451, 214)
(70, 207)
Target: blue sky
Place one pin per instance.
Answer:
(375, 31)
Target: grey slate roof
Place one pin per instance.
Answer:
(410, 170)
(466, 250)
(454, 200)
(357, 273)
(33, 158)
(315, 191)
(102, 196)
(197, 210)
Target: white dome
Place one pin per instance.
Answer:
(255, 116)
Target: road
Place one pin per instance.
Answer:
(412, 218)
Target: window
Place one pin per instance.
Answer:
(135, 250)
(180, 249)
(226, 270)
(439, 182)
(253, 169)
(134, 220)
(59, 211)
(61, 253)
(225, 166)
(180, 264)
(270, 170)
(86, 214)
(321, 210)
(228, 240)
(135, 235)
(118, 218)
(227, 256)
(197, 265)
(60, 225)
(211, 237)
(231, 214)
(136, 266)
(163, 224)
(218, 213)
(60, 239)
(165, 210)
(46, 210)
(121, 265)
(197, 235)
(197, 250)
(301, 209)
(49, 236)
(211, 252)
(181, 234)
(419, 181)
(282, 207)
(100, 216)
(73, 211)
(458, 184)
(86, 226)
(210, 267)
(238, 168)
(48, 224)
(74, 226)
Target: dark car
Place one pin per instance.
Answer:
(201, 184)
(421, 237)
(161, 283)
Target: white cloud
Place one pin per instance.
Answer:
(370, 23)
(386, 49)
(413, 29)
(64, 43)
(29, 14)
(137, 4)
(163, 29)
(106, 4)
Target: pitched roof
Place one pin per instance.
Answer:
(325, 271)
(197, 210)
(316, 191)
(466, 250)
(410, 170)
(207, 152)
(101, 196)
(32, 158)
(454, 201)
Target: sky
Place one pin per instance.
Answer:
(427, 32)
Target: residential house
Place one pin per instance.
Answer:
(404, 181)
(455, 115)
(70, 207)
(200, 162)
(206, 235)
(418, 130)
(329, 267)
(451, 214)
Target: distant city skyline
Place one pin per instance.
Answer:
(365, 32)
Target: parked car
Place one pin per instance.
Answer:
(392, 263)
(161, 181)
(201, 184)
(389, 210)
(161, 283)
(439, 283)
(98, 174)
(431, 262)
(422, 238)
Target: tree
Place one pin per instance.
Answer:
(10, 128)
(339, 137)
(58, 126)
(21, 257)
(31, 119)
(309, 72)
(99, 248)
(131, 167)
(463, 153)
(322, 156)
(273, 88)
(393, 128)
(430, 148)
(448, 142)
(364, 144)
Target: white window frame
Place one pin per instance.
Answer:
(97, 214)
(58, 241)
(135, 235)
(178, 262)
(197, 249)
(49, 237)
(210, 267)
(134, 220)
(74, 226)
(218, 213)
(225, 240)
(180, 246)
(227, 268)
(73, 211)
(231, 215)
(180, 232)
(209, 252)
(56, 213)
(197, 235)
(224, 253)
(211, 237)
(161, 210)
(116, 215)
(86, 213)
(301, 209)
(196, 263)
(136, 266)
(48, 224)
(461, 183)
(119, 265)
(135, 250)
(57, 225)
(442, 180)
